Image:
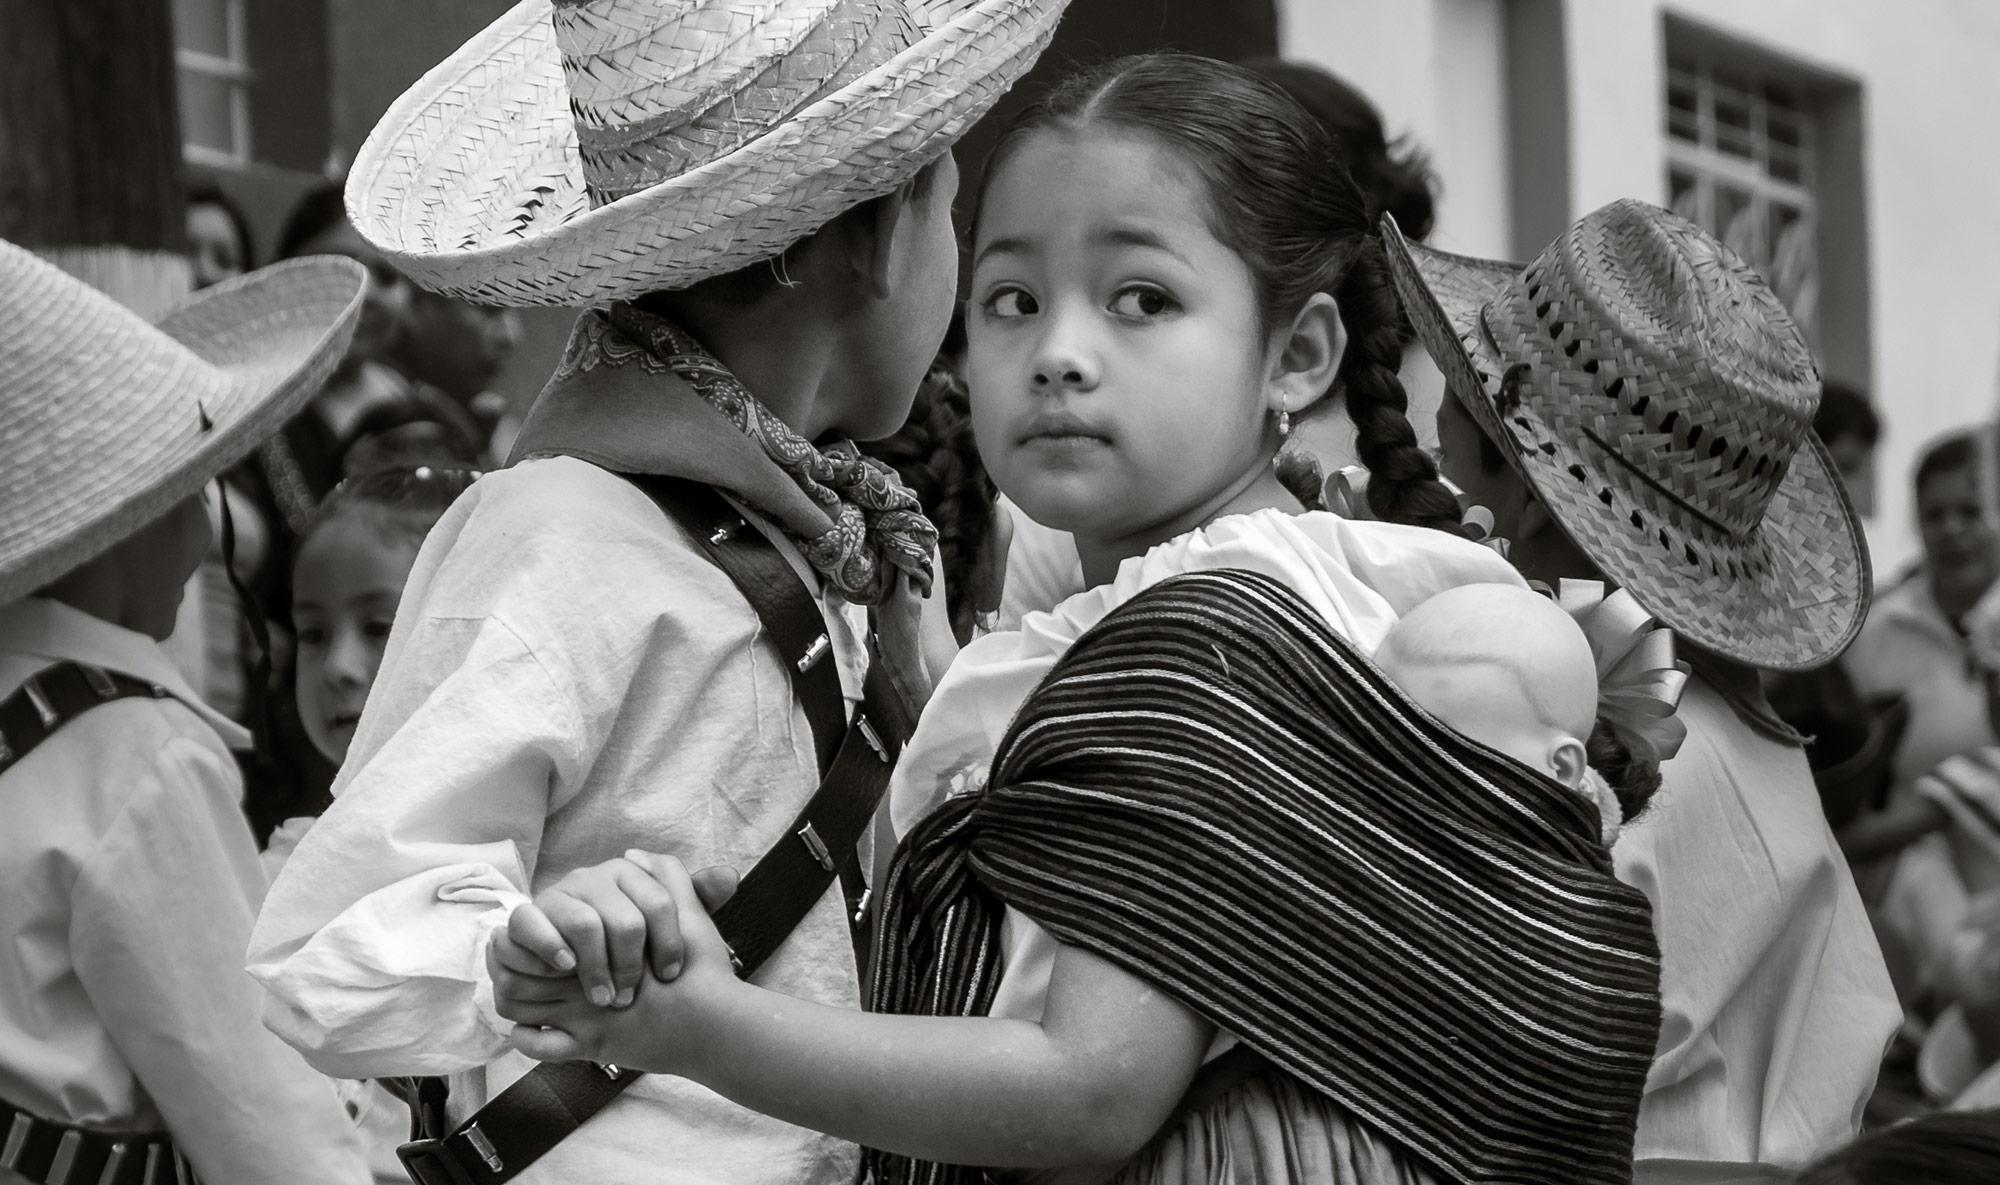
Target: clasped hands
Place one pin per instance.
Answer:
(613, 962)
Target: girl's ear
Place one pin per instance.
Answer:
(1305, 356)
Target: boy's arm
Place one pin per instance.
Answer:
(371, 943)
(1089, 1084)
(161, 910)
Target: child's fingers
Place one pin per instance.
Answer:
(548, 1045)
(582, 932)
(530, 935)
(660, 932)
(715, 886)
(699, 936)
(512, 987)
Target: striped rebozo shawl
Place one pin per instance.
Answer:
(1215, 791)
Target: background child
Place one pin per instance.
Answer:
(352, 563)
(1161, 282)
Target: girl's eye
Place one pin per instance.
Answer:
(312, 635)
(1142, 300)
(1011, 302)
(378, 630)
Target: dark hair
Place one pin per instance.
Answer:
(935, 456)
(403, 504)
(405, 434)
(1947, 1146)
(1845, 411)
(317, 209)
(1633, 780)
(1301, 229)
(1396, 177)
(206, 194)
(1957, 451)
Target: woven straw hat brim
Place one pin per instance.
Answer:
(1798, 591)
(472, 184)
(103, 429)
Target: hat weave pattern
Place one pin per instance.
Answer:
(106, 422)
(1659, 399)
(600, 150)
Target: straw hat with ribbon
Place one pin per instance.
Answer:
(106, 421)
(582, 151)
(1659, 400)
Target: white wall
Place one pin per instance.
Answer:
(1930, 77)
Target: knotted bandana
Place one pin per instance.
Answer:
(876, 528)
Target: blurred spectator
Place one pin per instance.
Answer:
(1936, 1150)
(451, 352)
(1850, 430)
(218, 237)
(1915, 645)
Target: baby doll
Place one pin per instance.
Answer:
(1510, 669)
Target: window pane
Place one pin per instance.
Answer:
(206, 117)
(202, 25)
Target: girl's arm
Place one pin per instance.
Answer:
(1090, 1084)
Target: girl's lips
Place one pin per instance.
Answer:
(1061, 426)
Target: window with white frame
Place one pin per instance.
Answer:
(212, 61)
(1741, 163)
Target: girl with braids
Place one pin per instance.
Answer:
(1227, 907)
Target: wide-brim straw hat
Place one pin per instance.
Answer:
(107, 422)
(1659, 400)
(582, 151)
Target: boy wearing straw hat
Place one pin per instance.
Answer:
(1635, 406)
(759, 197)
(131, 1051)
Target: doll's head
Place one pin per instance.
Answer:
(1504, 667)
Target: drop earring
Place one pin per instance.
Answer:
(1284, 423)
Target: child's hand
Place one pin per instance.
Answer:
(601, 922)
(560, 1022)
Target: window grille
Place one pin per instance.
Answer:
(1740, 163)
(212, 62)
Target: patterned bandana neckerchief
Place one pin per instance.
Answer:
(876, 526)
(1216, 792)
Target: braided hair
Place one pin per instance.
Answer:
(1299, 226)
(934, 455)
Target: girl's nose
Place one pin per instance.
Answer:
(1063, 362)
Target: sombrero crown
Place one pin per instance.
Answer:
(1659, 399)
(106, 421)
(584, 150)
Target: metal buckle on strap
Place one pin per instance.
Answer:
(873, 738)
(65, 1160)
(431, 1162)
(809, 835)
(17, 1139)
(720, 535)
(39, 698)
(815, 652)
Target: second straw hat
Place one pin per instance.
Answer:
(581, 151)
(1659, 400)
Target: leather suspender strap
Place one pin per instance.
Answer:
(550, 1102)
(54, 1153)
(56, 695)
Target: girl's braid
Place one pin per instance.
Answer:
(1403, 484)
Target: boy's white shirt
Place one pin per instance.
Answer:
(128, 882)
(569, 676)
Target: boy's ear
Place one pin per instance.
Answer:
(1305, 356)
(1569, 761)
(870, 238)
